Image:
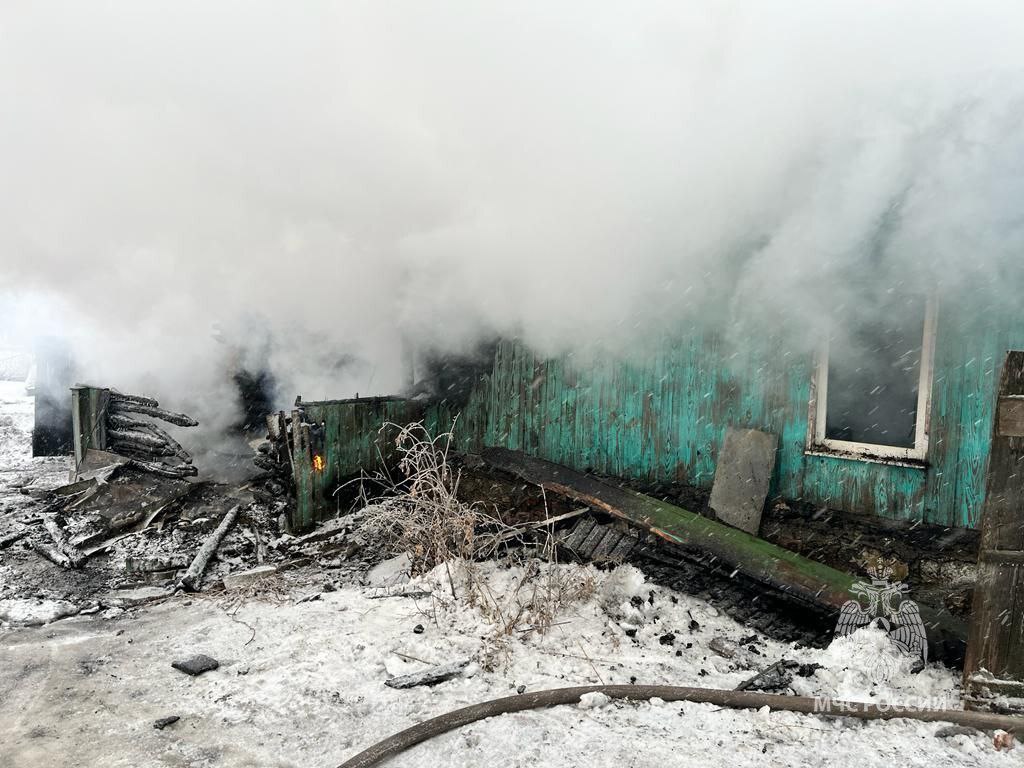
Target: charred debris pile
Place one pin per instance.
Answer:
(133, 522)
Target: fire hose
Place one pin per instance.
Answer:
(421, 732)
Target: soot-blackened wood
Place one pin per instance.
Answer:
(995, 652)
(73, 557)
(193, 577)
(164, 470)
(123, 423)
(120, 397)
(785, 572)
(142, 439)
(127, 406)
(431, 676)
(118, 421)
(52, 553)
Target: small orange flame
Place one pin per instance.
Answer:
(318, 463)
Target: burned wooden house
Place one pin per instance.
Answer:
(896, 423)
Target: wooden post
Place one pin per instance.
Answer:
(994, 664)
(89, 421)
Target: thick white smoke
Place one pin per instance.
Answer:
(319, 181)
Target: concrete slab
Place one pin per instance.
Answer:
(745, 466)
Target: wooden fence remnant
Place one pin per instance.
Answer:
(994, 666)
(333, 441)
(106, 420)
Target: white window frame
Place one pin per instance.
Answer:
(818, 444)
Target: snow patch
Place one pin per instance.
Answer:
(593, 700)
(30, 613)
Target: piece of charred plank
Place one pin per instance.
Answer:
(164, 470)
(121, 407)
(431, 676)
(786, 573)
(160, 434)
(119, 423)
(72, 556)
(141, 439)
(133, 450)
(120, 397)
(193, 577)
(52, 554)
(11, 538)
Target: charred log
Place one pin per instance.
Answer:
(70, 555)
(194, 575)
(53, 554)
(164, 470)
(118, 424)
(128, 433)
(133, 451)
(125, 406)
(119, 397)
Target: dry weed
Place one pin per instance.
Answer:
(421, 514)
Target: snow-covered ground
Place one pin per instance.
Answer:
(15, 425)
(17, 467)
(302, 684)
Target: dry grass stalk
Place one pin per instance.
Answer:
(421, 514)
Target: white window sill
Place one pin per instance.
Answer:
(834, 453)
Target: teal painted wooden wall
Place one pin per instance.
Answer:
(665, 418)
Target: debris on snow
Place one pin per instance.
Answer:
(196, 665)
(129, 598)
(725, 648)
(431, 676)
(193, 577)
(948, 731)
(241, 579)
(1002, 740)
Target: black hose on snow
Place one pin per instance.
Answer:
(402, 740)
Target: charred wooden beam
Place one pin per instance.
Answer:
(145, 442)
(125, 424)
(123, 406)
(120, 397)
(785, 572)
(53, 554)
(164, 470)
(194, 575)
(431, 676)
(11, 538)
(134, 449)
(118, 421)
(72, 556)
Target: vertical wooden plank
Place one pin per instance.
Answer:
(995, 651)
(944, 440)
(88, 422)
